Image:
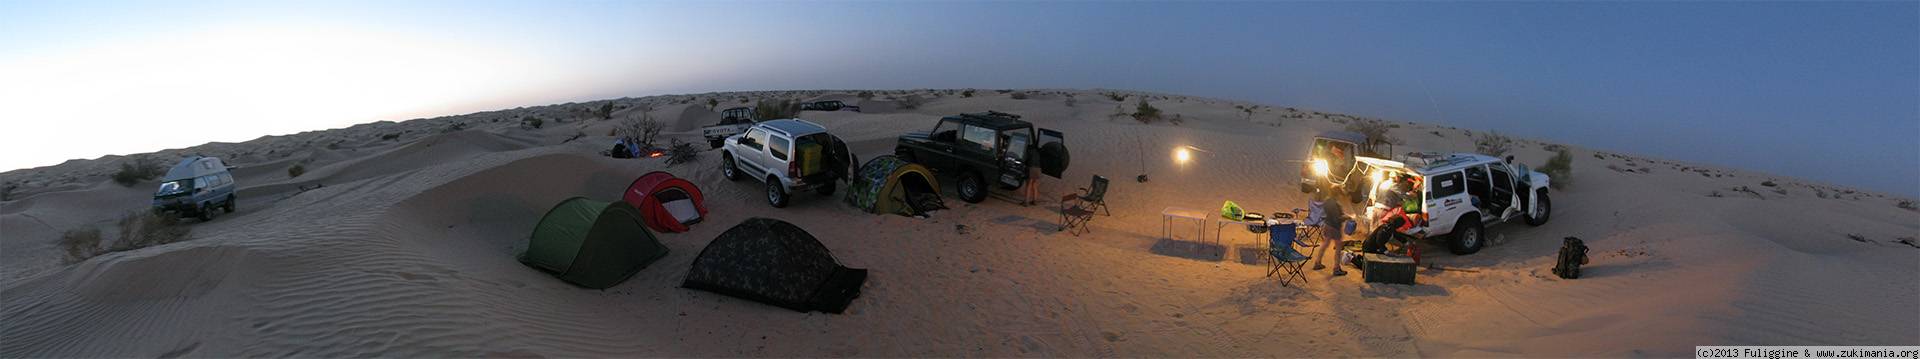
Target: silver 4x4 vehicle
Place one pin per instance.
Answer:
(1458, 196)
(787, 155)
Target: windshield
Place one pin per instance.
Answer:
(172, 187)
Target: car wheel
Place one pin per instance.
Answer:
(206, 212)
(1541, 211)
(229, 206)
(972, 188)
(1468, 237)
(825, 190)
(727, 168)
(776, 195)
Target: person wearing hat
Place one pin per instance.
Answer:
(1330, 219)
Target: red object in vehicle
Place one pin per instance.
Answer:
(667, 203)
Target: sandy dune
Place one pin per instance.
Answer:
(408, 250)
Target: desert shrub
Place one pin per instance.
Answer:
(712, 103)
(1145, 112)
(532, 123)
(390, 137)
(1071, 101)
(296, 170)
(1116, 96)
(1769, 183)
(864, 95)
(774, 110)
(967, 93)
(909, 102)
(682, 152)
(81, 244)
(6, 191)
(455, 127)
(1374, 130)
(643, 129)
(1018, 95)
(137, 170)
(1003, 92)
(1493, 144)
(1559, 169)
(1177, 119)
(141, 229)
(1904, 204)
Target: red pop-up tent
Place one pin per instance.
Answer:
(667, 203)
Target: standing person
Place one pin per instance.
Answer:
(1032, 189)
(1331, 217)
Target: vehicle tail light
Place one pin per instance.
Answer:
(793, 169)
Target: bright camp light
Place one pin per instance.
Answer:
(1320, 168)
(1181, 155)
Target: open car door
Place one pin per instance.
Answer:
(840, 160)
(1053, 153)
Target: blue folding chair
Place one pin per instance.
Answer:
(1286, 261)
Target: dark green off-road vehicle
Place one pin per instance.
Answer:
(979, 147)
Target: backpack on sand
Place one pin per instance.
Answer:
(1573, 253)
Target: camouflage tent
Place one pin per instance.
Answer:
(887, 184)
(774, 262)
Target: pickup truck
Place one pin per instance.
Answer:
(788, 156)
(977, 147)
(733, 121)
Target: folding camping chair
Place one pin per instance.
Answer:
(1074, 214)
(1095, 196)
(1281, 238)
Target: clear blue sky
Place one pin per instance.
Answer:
(1828, 91)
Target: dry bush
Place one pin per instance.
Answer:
(141, 229)
(1019, 95)
(775, 110)
(81, 244)
(642, 129)
(712, 103)
(1904, 204)
(1145, 113)
(682, 152)
(137, 170)
(1115, 96)
(1374, 130)
(1493, 144)
(864, 95)
(1559, 169)
(909, 102)
(390, 137)
(967, 93)
(296, 170)
(6, 191)
(532, 123)
(454, 127)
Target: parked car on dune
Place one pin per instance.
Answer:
(788, 156)
(982, 147)
(196, 187)
(1456, 196)
(733, 121)
(830, 105)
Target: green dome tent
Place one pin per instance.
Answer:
(591, 243)
(887, 184)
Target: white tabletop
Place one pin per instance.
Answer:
(1188, 213)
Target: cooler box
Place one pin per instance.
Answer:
(1388, 269)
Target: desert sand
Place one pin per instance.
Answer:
(409, 250)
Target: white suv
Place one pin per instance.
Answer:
(787, 155)
(1460, 194)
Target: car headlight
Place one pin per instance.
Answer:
(1320, 168)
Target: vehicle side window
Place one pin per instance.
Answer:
(1477, 180)
(944, 131)
(1446, 185)
(778, 147)
(758, 136)
(981, 137)
(1501, 180)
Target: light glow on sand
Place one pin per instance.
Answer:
(238, 82)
